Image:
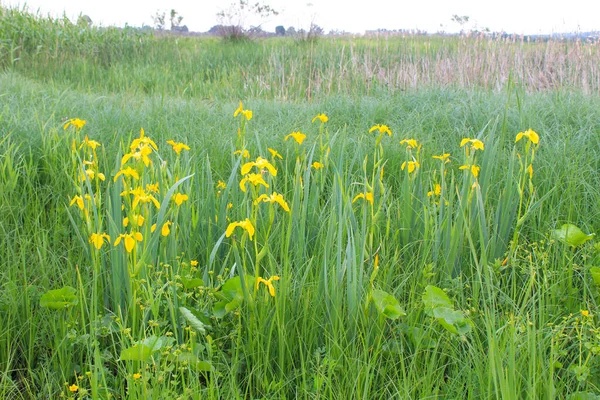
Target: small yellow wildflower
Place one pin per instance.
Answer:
(274, 153)
(245, 153)
(97, 239)
(444, 157)
(321, 117)
(73, 388)
(381, 129)
(260, 163)
(245, 113)
(412, 165)
(221, 184)
(180, 198)
(268, 283)
(129, 240)
(368, 197)
(76, 122)
(297, 136)
(194, 263)
(317, 165)
(529, 134)
(178, 146)
(437, 190)
(274, 198)
(410, 143)
(130, 172)
(585, 313)
(473, 168)
(246, 225)
(475, 143)
(137, 376)
(255, 179)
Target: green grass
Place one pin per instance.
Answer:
(322, 335)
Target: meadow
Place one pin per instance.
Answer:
(406, 217)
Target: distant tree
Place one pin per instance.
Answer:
(462, 20)
(84, 21)
(280, 30)
(159, 20)
(175, 20)
(233, 18)
(291, 31)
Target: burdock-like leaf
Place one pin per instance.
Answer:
(59, 298)
(572, 235)
(387, 305)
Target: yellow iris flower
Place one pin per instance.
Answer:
(92, 144)
(178, 146)
(381, 129)
(76, 122)
(297, 136)
(437, 190)
(180, 198)
(260, 163)
(529, 134)
(130, 172)
(273, 198)
(411, 143)
(412, 165)
(367, 196)
(139, 195)
(473, 168)
(321, 117)
(475, 143)
(444, 157)
(245, 225)
(268, 283)
(274, 153)
(245, 113)
(245, 153)
(97, 239)
(255, 179)
(129, 240)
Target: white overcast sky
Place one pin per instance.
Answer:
(513, 16)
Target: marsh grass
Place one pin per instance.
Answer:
(318, 337)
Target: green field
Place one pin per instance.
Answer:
(129, 270)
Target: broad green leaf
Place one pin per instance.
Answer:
(142, 350)
(387, 304)
(572, 235)
(434, 297)
(138, 352)
(156, 343)
(452, 320)
(193, 320)
(595, 271)
(59, 298)
(231, 295)
(583, 396)
(192, 283)
(193, 361)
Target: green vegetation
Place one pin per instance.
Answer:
(390, 286)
